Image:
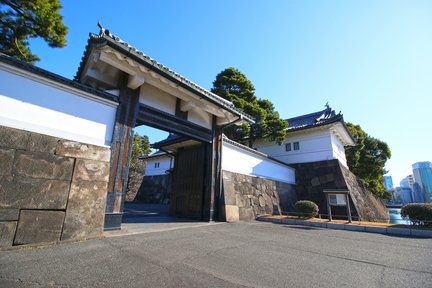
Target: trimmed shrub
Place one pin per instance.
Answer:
(307, 208)
(418, 213)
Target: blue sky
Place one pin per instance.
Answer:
(372, 60)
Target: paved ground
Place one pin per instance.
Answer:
(253, 254)
(141, 218)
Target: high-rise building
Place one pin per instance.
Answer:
(407, 182)
(404, 195)
(388, 182)
(423, 176)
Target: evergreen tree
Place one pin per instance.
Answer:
(140, 147)
(367, 160)
(24, 19)
(233, 86)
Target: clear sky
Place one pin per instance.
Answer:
(372, 60)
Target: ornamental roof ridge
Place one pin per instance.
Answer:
(318, 118)
(105, 34)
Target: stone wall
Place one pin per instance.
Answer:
(155, 189)
(247, 197)
(51, 189)
(313, 178)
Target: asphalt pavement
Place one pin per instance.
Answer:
(255, 254)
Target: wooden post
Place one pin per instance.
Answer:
(329, 207)
(348, 208)
(211, 183)
(121, 153)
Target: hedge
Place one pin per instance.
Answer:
(307, 208)
(418, 213)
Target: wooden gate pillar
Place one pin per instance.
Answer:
(212, 174)
(121, 150)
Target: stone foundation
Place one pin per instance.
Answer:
(247, 197)
(155, 189)
(313, 178)
(51, 189)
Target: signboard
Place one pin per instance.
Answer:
(337, 199)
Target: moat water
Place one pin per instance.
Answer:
(395, 217)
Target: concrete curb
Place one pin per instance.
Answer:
(351, 227)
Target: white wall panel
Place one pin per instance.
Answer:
(314, 146)
(164, 165)
(156, 98)
(46, 107)
(235, 159)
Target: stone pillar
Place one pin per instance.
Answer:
(121, 152)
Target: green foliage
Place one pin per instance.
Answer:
(418, 213)
(307, 208)
(367, 160)
(22, 19)
(140, 147)
(233, 85)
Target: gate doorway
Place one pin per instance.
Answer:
(151, 94)
(188, 183)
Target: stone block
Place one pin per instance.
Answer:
(242, 201)
(288, 221)
(43, 165)
(421, 233)
(85, 210)
(13, 138)
(41, 143)
(318, 224)
(6, 161)
(84, 151)
(232, 213)
(371, 229)
(7, 233)
(7, 214)
(37, 226)
(246, 214)
(18, 192)
(229, 193)
(90, 170)
(315, 181)
(399, 231)
(335, 226)
(352, 227)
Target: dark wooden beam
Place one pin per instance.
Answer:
(161, 120)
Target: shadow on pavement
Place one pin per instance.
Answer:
(149, 213)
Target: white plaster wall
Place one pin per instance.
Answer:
(30, 102)
(314, 146)
(156, 98)
(235, 159)
(200, 117)
(338, 150)
(164, 164)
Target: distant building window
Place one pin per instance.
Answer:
(296, 145)
(288, 147)
(157, 165)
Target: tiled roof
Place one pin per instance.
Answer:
(319, 118)
(55, 77)
(105, 37)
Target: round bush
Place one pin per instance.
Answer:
(307, 208)
(418, 213)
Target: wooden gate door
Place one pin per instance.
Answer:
(187, 185)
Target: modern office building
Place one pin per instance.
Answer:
(388, 182)
(407, 182)
(403, 195)
(423, 176)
